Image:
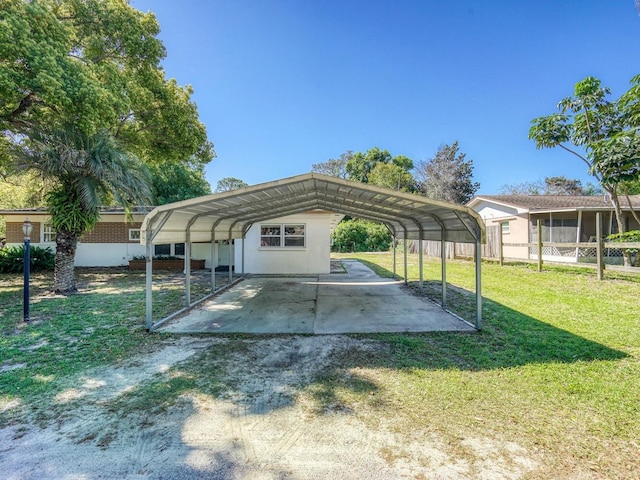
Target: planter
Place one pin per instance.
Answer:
(172, 264)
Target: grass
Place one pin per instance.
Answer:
(101, 325)
(555, 370)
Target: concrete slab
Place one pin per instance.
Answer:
(358, 301)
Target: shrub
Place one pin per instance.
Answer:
(12, 259)
(627, 237)
(356, 235)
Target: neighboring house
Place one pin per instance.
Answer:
(297, 243)
(113, 242)
(564, 219)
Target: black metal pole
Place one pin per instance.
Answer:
(27, 271)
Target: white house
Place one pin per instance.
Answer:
(113, 242)
(292, 244)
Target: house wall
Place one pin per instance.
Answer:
(107, 245)
(518, 226)
(313, 258)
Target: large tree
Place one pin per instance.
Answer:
(230, 183)
(87, 170)
(173, 182)
(601, 133)
(335, 167)
(448, 176)
(94, 64)
(360, 165)
(392, 176)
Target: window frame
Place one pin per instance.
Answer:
(505, 227)
(283, 238)
(132, 232)
(48, 233)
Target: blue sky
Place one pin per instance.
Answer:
(283, 84)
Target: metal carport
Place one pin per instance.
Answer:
(229, 215)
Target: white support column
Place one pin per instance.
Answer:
(443, 264)
(406, 273)
(394, 256)
(149, 280)
(231, 255)
(478, 260)
(420, 259)
(244, 238)
(187, 268)
(213, 260)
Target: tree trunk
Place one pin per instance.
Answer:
(619, 220)
(64, 279)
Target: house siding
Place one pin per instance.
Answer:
(313, 258)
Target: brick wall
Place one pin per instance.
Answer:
(104, 232)
(15, 235)
(110, 232)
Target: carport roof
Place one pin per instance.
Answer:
(231, 214)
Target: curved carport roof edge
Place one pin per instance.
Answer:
(408, 215)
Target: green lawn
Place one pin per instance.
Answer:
(556, 367)
(555, 370)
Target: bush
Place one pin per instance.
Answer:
(356, 235)
(627, 237)
(12, 259)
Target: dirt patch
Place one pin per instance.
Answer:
(258, 427)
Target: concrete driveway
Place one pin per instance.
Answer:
(358, 301)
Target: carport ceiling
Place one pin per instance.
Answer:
(230, 214)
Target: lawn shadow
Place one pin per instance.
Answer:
(508, 338)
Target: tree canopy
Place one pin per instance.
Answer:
(173, 182)
(94, 64)
(360, 165)
(229, 183)
(559, 185)
(448, 176)
(335, 167)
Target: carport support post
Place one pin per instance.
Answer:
(187, 268)
(478, 260)
(231, 255)
(149, 280)
(244, 237)
(443, 264)
(213, 256)
(394, 256)
(420, 262)
(404, 244)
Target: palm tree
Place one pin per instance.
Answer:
(87, 170)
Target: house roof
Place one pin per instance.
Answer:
(137, 210)
(550, 203)
(230, 214)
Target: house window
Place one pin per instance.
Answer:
(294, 235)
(178, 249)
(162, 249)
(287, 235)
(270, 235)
(134, 234)
(48, 233)
(504, 228)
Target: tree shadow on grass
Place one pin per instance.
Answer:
(508, 338)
